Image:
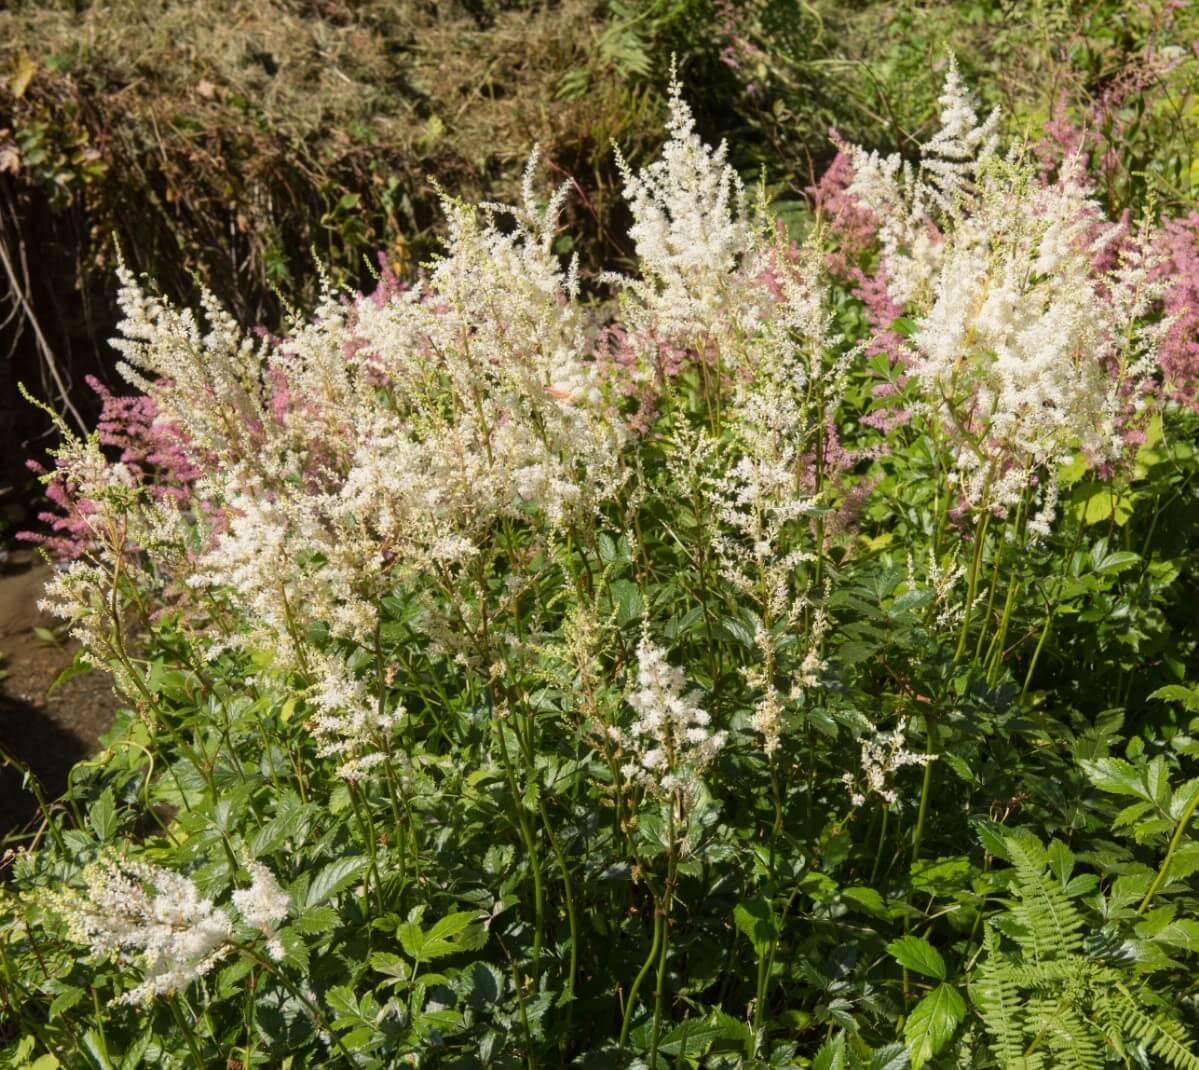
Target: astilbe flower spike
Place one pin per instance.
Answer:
(157, 921)
(670, 741)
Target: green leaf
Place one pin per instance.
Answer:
(1117, 561)
(831, 1055)
(412, 938)
(1094, 503)
(690, 1039)
(868, 899)
(342, 1002)
(892, 1057)
(64, 1001)
(916, 953)
(606, 546)
(103, 815)
(756, 920)
(1116, 776)
(942, 876)
(317, 920)
(1157, 779)
(334, 879)
(627, 597)
(452, 924)
(932, 1022)
(1187, 696)
(393, 966)
(97, 1049)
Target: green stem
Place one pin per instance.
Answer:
(980, 538)
(1161, 873)
(1050, 613)
(362, 813)
(649, 961)
(995, 651)
(882, 840)
(571, 916)
(188, 1033)
(930, 731)
(99, 1023)
(660, 988)
(526, 834)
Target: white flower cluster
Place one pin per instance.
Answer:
(671, 740)
(1025, 355)
(1026, 352)
(882, 754)
(158, 921)
(381, 439)
(949, 605)
(263, 905)
(950, 159)
(904, 201)
(350, 724)
(690, 228)
(766, 494)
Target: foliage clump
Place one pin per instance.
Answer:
(651, 683)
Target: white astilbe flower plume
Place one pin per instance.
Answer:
(905, 200)
(150, 918)
(157, 921)
(950, 159)
(348, 723)
(671, 741)
(883, 753)
(1026, 355)
(381, 439)
(690, 228)
(263, 905)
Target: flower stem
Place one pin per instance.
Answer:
(649, 961)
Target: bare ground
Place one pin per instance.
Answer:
(43, 733)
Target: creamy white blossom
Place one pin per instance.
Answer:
(671, 740)
(151, 918)
(158, 922)
(690, 228)
(263, 905)
(883, 754)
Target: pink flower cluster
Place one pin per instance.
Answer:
(153, 451)
(853, 226)
(1178, 241)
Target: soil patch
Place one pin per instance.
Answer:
(46, 732)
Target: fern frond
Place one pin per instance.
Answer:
(1159, 1035)
(1052, 922)
(1058, 1026)
(997, 996)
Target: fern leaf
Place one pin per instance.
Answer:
(1161, 1036)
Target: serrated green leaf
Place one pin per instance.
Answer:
(916, 953)
(932, 1022)
(831, 1055)
(942, 876)
(756, 920)
(334, 879)
(626, 596)
(103, 815)
(1117, 561)
(1117, 776)
(1187, 696)
(64, 1001)
(690, 1039)
(868, 899)
(317, 920)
